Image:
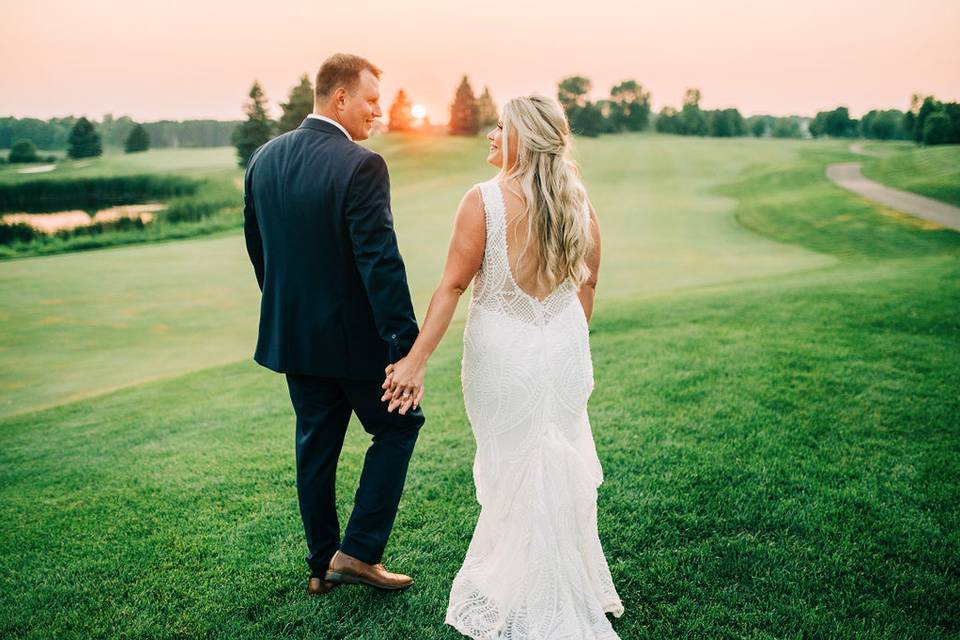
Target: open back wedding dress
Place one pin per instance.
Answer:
(534, 569)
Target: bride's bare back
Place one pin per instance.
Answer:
(524, 270)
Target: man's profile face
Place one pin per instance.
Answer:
(359, 109)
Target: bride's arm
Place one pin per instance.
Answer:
(588, 289)
(463, 261)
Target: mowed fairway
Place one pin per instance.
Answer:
(775, 410)
(78, 324)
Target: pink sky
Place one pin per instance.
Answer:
(181, 59)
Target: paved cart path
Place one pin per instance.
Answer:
(849, 176)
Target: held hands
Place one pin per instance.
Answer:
(404, 385)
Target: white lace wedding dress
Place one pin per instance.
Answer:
(534, 569)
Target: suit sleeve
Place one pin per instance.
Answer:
(370, 224)
(251, 231)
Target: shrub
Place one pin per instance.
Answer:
(23, 151)
(17, 232)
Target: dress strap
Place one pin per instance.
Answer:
(496, 213)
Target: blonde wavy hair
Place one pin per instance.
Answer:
(558, 220)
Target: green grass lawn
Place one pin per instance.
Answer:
(776, 412)
(195, 162)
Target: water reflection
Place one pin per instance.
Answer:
(63, 220)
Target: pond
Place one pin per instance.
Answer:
(65, 220)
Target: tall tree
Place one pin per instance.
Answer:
(909, 122)
(952, 111)
(573, 92)
(839, 124)
(84, 141)
(138, 140)
(928, 107)
(297, 107)
(836, 124)
(487, 115)
(693, 122)
(630, 106)
(587, 120)
(937, 128)
(463, 111)
(401, 118)
(256, 130)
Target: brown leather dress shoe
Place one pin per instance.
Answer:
(345, 569)
(318, 587)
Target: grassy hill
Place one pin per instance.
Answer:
(775, 410)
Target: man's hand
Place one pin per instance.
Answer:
(403, 385)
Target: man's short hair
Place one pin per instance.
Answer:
(341, 70)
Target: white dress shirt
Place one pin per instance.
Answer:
(333, 122)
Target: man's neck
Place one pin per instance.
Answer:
(333, 118)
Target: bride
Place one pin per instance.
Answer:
(529, 241)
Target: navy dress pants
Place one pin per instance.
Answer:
(323, 407)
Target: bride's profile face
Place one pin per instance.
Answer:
(495, 156)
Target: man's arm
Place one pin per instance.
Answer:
(370, 224)
(251, 231)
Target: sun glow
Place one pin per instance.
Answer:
(418, 111)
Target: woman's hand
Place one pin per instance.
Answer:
(405, 376)
(404, 384)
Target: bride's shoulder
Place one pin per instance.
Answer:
(472, 200)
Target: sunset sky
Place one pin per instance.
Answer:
(182, 59)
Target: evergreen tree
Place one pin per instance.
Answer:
(256, 130)
(84, 141)
(297, 107)
(23, 151)
(487, 115)
(401, 119)
(463, 111)
(138, 140)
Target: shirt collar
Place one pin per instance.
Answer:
(331, 121)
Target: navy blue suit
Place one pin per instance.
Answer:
(335, 310)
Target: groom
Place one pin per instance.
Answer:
(335, 311)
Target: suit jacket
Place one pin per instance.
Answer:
(319, 232)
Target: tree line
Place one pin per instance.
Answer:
(83, 141)
(626, 108)
(928, 121)
(53, 134)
